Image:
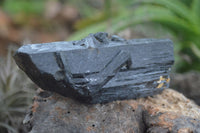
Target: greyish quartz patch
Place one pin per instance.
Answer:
(99, 68)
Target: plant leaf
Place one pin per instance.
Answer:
(196, 9)
(174, 6)
(149, 13)
(8, 127)
(196, 50)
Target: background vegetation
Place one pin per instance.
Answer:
(37, 21)
(179, 18)
(16, 93)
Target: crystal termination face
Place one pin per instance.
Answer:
(99, 68)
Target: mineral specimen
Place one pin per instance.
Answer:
(99, 68)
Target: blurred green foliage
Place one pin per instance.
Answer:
(15, 95)
(23, 12)
(183, 21)
(87, 7)
(109, 18)
(27, 7)
(180, 17)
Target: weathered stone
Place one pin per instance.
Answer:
(99, 68)
(168, 112)
(188, 84)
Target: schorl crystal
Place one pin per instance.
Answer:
(99, 68)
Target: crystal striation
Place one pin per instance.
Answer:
(99, 68)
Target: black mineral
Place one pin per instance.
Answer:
(99, 68)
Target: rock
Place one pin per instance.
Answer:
(168, 112)
(188, 84)
(99, 69)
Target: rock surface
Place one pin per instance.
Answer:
(188, 84)
(168, 112)
(99, 68)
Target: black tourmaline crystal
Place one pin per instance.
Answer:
(99, 68)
